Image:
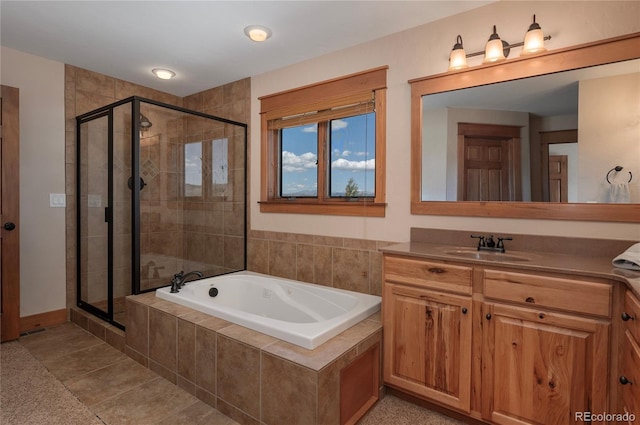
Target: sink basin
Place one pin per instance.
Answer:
(485, 255)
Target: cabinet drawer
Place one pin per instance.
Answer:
(631, 312)
(542, 291)
(428, 274)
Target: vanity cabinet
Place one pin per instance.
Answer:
(426, 313)
(629, 378)
(541, 340)
(542, 363)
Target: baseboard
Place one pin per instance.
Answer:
(41, 320)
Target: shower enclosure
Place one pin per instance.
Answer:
(160, 189)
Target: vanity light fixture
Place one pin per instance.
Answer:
(257, 32)
(458, 59)
(533, 39)
(496, 50)
(163, 74)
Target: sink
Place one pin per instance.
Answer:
(485, 255)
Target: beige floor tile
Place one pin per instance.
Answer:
(102, 384)
(58, 341)
(83, 361)
(145, 404)
(198, 413)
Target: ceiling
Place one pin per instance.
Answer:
(203, 41)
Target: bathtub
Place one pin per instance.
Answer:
(303, 314)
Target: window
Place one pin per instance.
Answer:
(323, 147)
(199, 158)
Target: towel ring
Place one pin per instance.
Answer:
(617, 169)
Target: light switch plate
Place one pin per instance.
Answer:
(57, 200)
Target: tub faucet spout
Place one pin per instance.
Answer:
(179, 279)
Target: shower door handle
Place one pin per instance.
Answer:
(9, 226)
(130, 183)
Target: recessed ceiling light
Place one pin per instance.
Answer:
(257, 32)
(163, 74)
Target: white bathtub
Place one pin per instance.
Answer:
(303, 314)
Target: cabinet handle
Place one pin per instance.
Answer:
(464, 310)
(436, 270)
(530, 300)
(624, 381)
(626, 316)
(488, 316)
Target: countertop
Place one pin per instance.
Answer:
(572, 264)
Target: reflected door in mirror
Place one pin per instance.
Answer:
(558, 178)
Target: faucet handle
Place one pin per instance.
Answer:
(501, 241)
(480, 240)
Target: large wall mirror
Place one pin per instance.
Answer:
(536, 137)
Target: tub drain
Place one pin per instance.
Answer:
(213, 292)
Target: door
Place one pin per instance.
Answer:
(558, 178)
(9, 214)
(427, 344)
(489, 163)
(542, 368)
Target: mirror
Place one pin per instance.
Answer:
(505, 140)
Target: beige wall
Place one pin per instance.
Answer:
(423, 51)
(42, 231)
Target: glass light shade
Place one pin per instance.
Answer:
(533, 39)
(458, 58)
(257, 33)
(494, 51)
(163, 74)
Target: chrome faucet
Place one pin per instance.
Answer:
(487, 243)
(179, 279)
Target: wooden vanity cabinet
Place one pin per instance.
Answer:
(629, 378)
(426, 314)
(543, 341)
(542, 362)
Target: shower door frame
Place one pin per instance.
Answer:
(107, 110)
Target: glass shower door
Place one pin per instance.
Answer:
(94, 269)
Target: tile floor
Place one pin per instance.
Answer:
(113, 386)
(120, 391)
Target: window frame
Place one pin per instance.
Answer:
(338, 92)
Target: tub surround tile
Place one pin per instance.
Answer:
(251, 377)
(289, 392)
(304, 262)
(323, 355)
(163, 331)
(248, 336)
(205, 359)
(351, 270)
(238, 375)
(137, 336)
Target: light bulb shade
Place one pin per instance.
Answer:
(533, 39)
(257, 33)
(458, 58)
(163, 74)
(494, 50)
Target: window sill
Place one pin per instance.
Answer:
(362, 209)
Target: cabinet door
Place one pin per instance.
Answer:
(542, 368)
(427, 344)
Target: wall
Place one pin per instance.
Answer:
(608, 111)
(42, 231)
(423, 51)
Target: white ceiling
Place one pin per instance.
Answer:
(203, 41)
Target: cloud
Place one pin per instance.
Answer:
(338, 124)
(298, 163)
(310, 129)
(343, 164)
